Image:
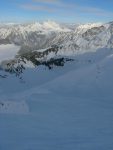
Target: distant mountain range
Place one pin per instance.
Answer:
(69, 38)
(41, 43)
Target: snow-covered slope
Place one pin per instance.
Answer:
(68, 107)
(93, 80)
(88, 75)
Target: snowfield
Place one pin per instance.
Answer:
(66, 108)
(13, 107)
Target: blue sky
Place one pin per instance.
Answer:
(71, 11)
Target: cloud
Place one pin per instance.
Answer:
(36, 8)
(95, 11)
(56, 3)
(46, 5)
(63, 7)
(48, 1)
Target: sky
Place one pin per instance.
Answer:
(69, 11)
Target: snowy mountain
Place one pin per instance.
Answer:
(40, 42)
(70, 39)
(56, 86)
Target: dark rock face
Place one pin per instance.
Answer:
(17, 66)
(5, 41)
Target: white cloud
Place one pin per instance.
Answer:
(48, 1)
(60, 6)
(36, 8)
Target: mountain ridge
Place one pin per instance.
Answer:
(38, 36)
(49, 43)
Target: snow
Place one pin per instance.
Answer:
(89, 26)
(50, 25)
(64, 108)
(36, 26)
(40, 36)
(13, 107)
(8, 51)
(54, 124)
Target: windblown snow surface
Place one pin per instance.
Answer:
(66, 108)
